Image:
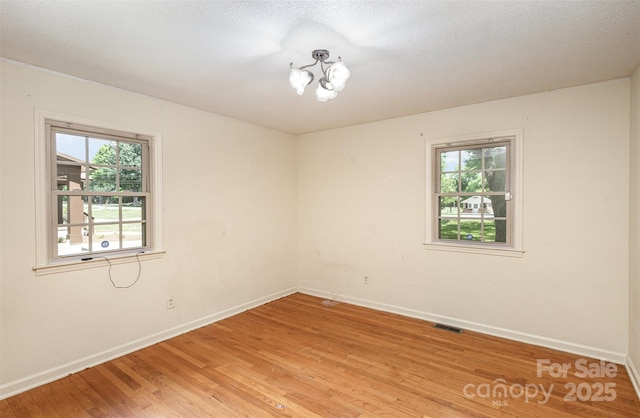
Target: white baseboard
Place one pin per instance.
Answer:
(13, 388)
(566, 346)
(634, 375)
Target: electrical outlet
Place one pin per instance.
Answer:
(171, 303)
(366, 280)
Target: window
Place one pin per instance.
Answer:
(472, 192)
(97, 194)
(99, 190)
(474, 199)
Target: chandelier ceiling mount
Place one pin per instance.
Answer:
(320, 55)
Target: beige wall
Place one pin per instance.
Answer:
(229, 200)
(361, 213)
(634, 228)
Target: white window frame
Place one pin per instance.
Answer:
(45, 263)
(515, 249)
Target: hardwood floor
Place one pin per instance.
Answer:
(298, 356)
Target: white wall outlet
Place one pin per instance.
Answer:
(171, 303)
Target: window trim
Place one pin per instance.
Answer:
(515, 249)
(43, 211)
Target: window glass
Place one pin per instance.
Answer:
(71, 147)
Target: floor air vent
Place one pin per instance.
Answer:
(448, 328)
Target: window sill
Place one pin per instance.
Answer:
(97, 261)
(474, 249)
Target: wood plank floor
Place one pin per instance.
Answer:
(298, 356)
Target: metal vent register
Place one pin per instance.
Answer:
(448, 328)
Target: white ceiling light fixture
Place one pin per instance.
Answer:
(334, 76)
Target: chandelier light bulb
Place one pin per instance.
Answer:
(338, 74)
(333, 80)
(323, 94)
(299, 79)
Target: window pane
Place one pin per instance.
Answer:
(449, 182)
(448, 229)
(70, 147)
(63, 209)
(71, 210)
(500, 230)
(69, 244)
(102, 151)
(490, 230)
(495, 157)
(130, 180)
(132, 235)
(105, 209)
(69, 176)
(495, 181)
(130, 154)
(471, 159)
(106, 237)
(132, 208)
(472, 181)
(103, 180)
(470, 230)
(499, 205)
(449, 161)
(471, 204)
(448, 206)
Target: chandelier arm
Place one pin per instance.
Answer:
(324, 70)
(307, 66)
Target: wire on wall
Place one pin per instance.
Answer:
(134, 282)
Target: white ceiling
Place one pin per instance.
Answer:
(406, 57)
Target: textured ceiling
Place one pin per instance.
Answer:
(406, 57)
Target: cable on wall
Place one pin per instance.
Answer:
(134, 282)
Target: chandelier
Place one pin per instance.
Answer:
(334, 76)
